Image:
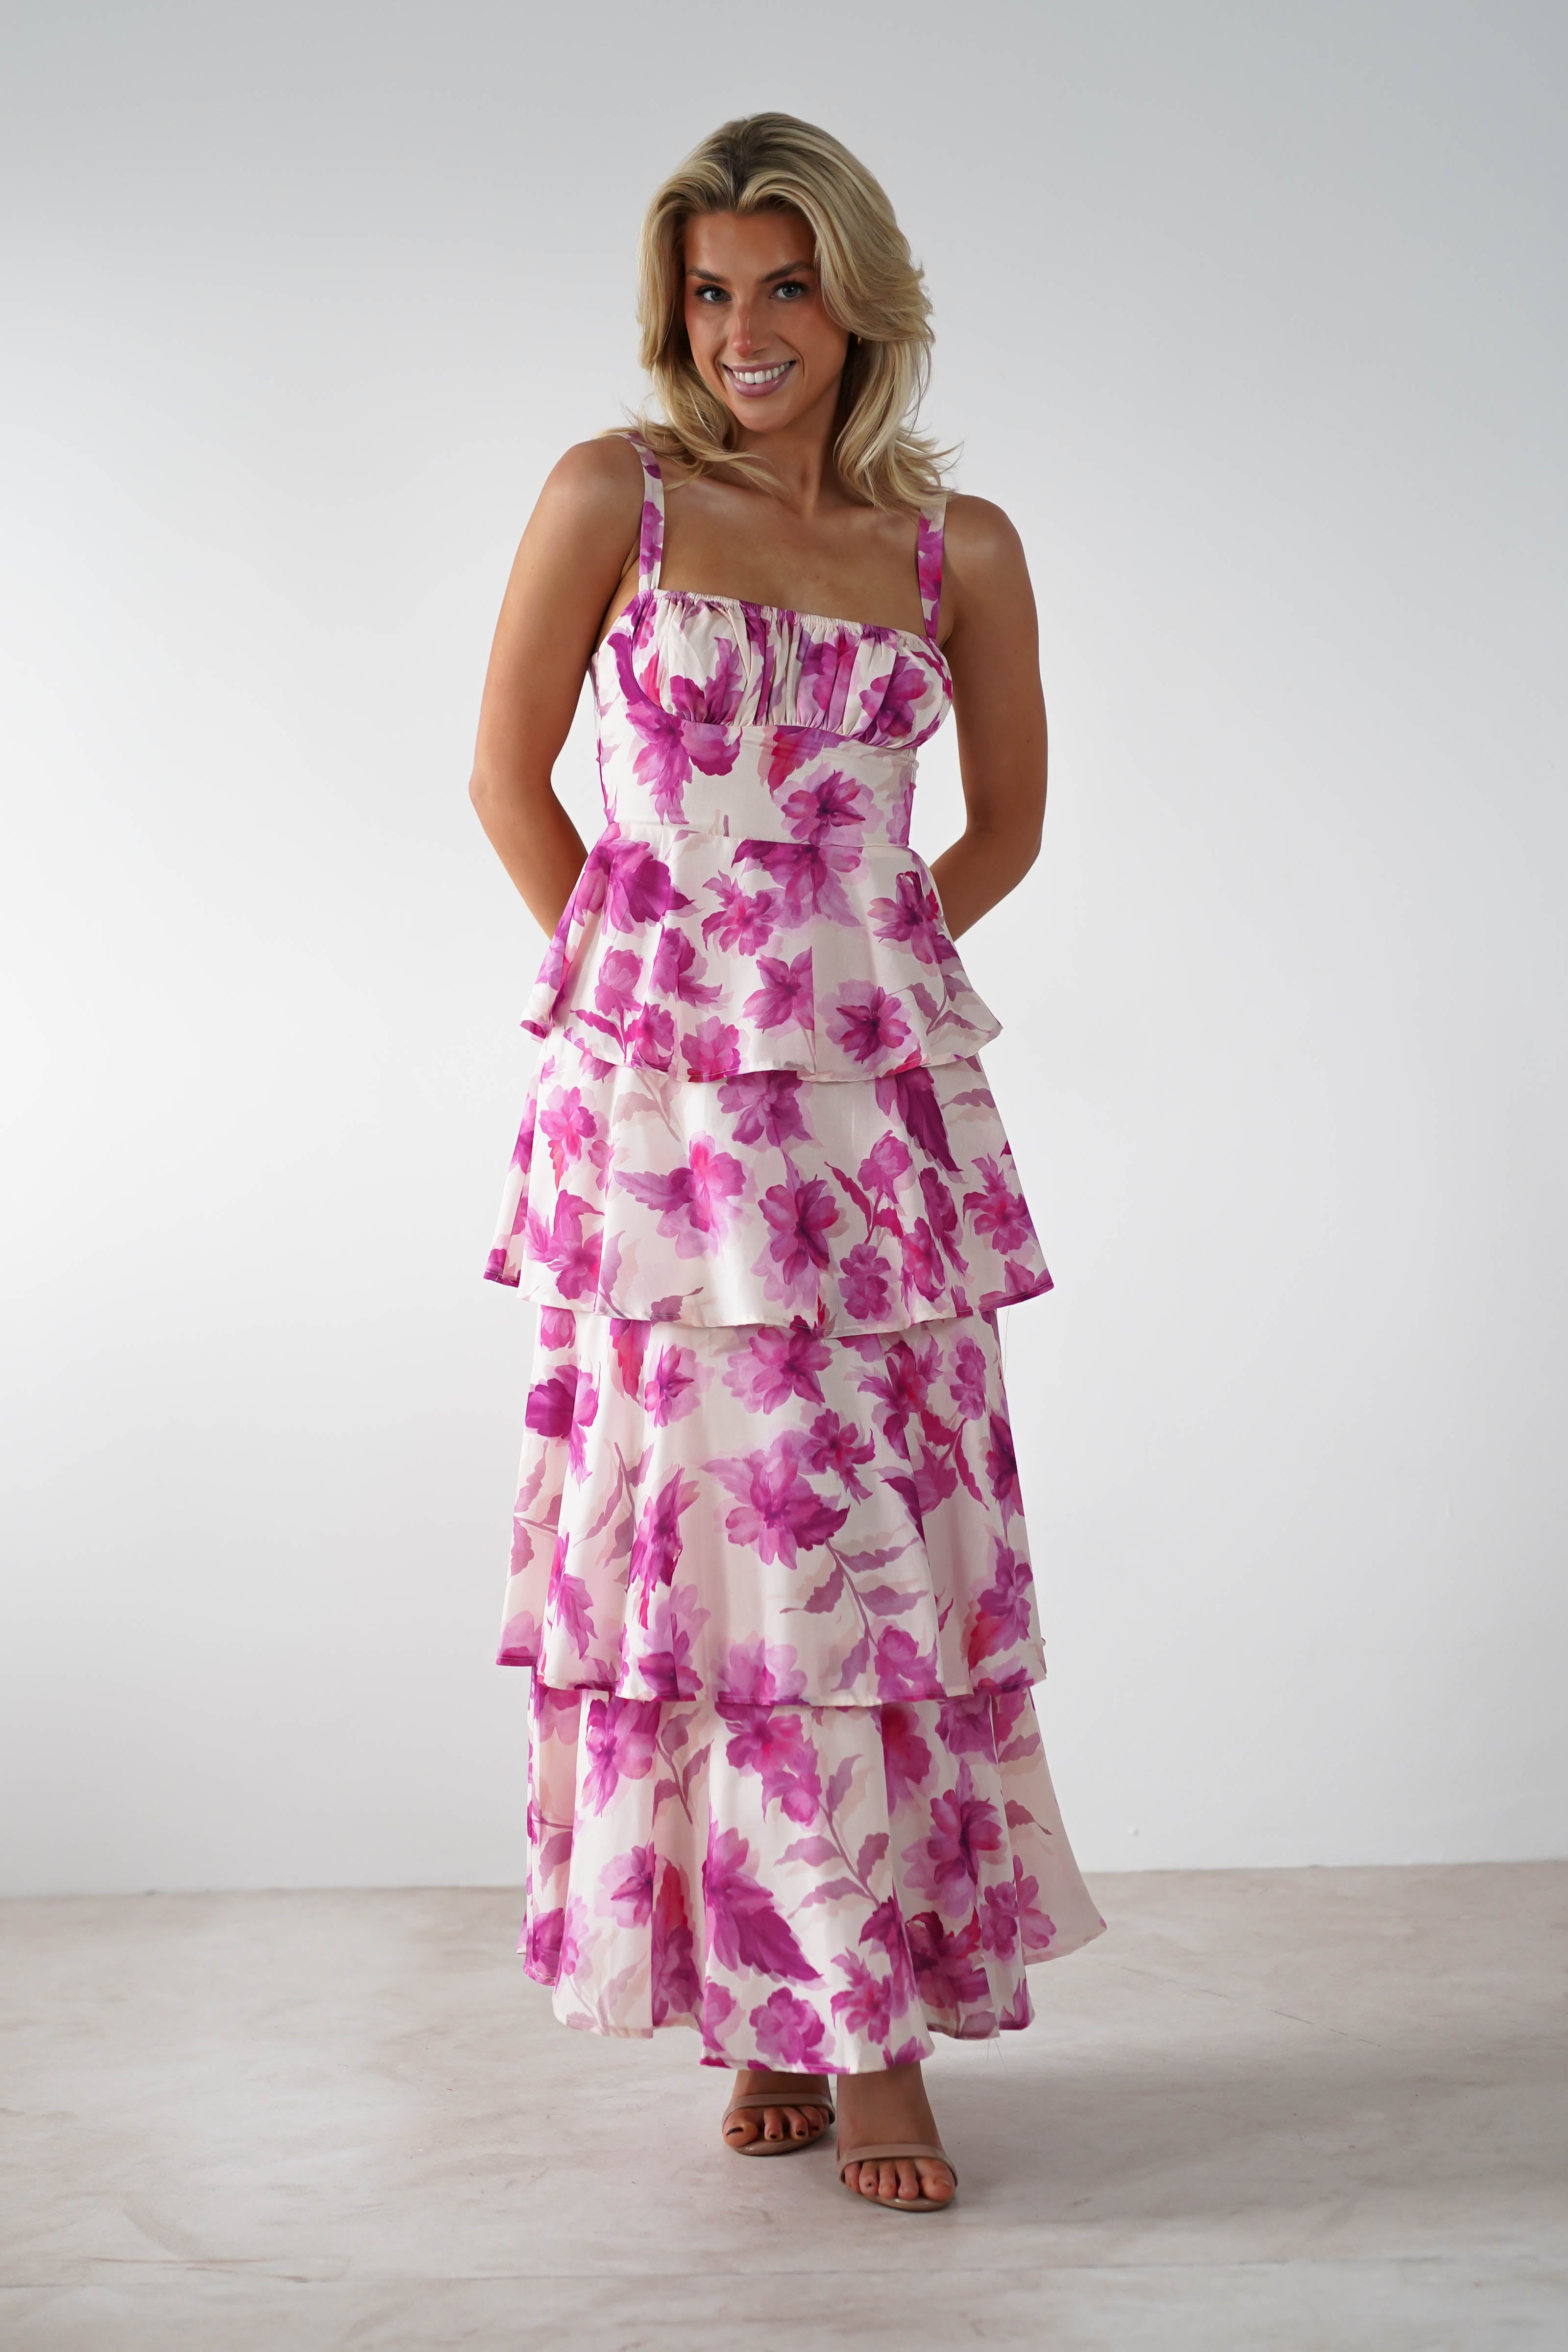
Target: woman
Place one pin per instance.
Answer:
(787, 1784)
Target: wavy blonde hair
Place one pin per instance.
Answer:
(871, 287)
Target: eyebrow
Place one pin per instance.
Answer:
(791, 269)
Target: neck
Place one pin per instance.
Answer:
(800, 457)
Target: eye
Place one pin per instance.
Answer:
(717, 293)
(792, 287)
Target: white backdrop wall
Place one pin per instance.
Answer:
(1252, 317)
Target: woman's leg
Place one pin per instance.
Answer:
(891, 2104)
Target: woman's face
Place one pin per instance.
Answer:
(759, 332)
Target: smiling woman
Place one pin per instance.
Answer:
(770, 1566)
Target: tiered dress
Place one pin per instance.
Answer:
(769, 1570)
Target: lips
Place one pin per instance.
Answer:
(757, 383)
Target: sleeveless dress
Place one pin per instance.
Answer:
(768, 1568)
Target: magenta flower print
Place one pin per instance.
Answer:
(783, 999)
(1038, 1932)
(670, 743)
(777, 1513)
(867, 1281)
(628, 1883)
(677, 1990)
(628, 1349)
(867, 1023)
(744, 1927)
(912, 916)
(765, 1106)
(906, 1757)
(821, 661)
(789, 2033)
(678, 971)
(693, 1201)
(892, 702)
(1002, 1465)
(883, 1165)
(551, 1403)
(712, 1050)
(968, 1381)
(669, 1391)
(903, 1387)
(921, 1272)
(665, 1666)
(946, 1864)
(717, 1178)
(833, 803)
(657, 1545)
(967, 1727)
(741, 921)
(779, 1363)
(941, 1216)
(616, 986)
(568, 1602)
(807, 874)
(772, 1742)
(903, 1669)
(564, 1245)
(885, 1929)
(638, 887)
(570, 1129)
(944, 1962)
(802, 1215)
(1003, 1610)
(999, 1920)
(837, 1445)
(760, 1673)
(650, 1038)
(619, 1735)
(996, 1210)
(866, 2003)
(911, 1095)
(650, 538)
(928, 567)
(542, 1950)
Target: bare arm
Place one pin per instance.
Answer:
(992, 651)
(574, 557)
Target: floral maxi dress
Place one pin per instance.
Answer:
(768, 1568)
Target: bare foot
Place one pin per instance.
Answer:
(890, 2105)
(799, 2115)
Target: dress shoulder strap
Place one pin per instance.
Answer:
(928, 560)
(650, 534)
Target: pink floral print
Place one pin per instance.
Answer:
(770, 1566)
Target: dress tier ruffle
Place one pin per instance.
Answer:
(769, 1566)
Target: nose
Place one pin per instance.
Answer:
(744, 339)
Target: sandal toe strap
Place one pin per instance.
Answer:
(930, 2150)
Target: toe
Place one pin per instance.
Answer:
(935, 2182)
(773, 2126)
(909, 2180)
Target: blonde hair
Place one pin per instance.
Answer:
(870, 286)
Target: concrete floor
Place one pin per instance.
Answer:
(1320, 2110)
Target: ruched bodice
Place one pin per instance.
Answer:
(751, 918)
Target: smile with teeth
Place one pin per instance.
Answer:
(759, 379)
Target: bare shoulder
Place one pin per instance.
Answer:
(596, 485)
(985, 577)
(980, 537)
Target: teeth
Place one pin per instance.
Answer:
(761, 375)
